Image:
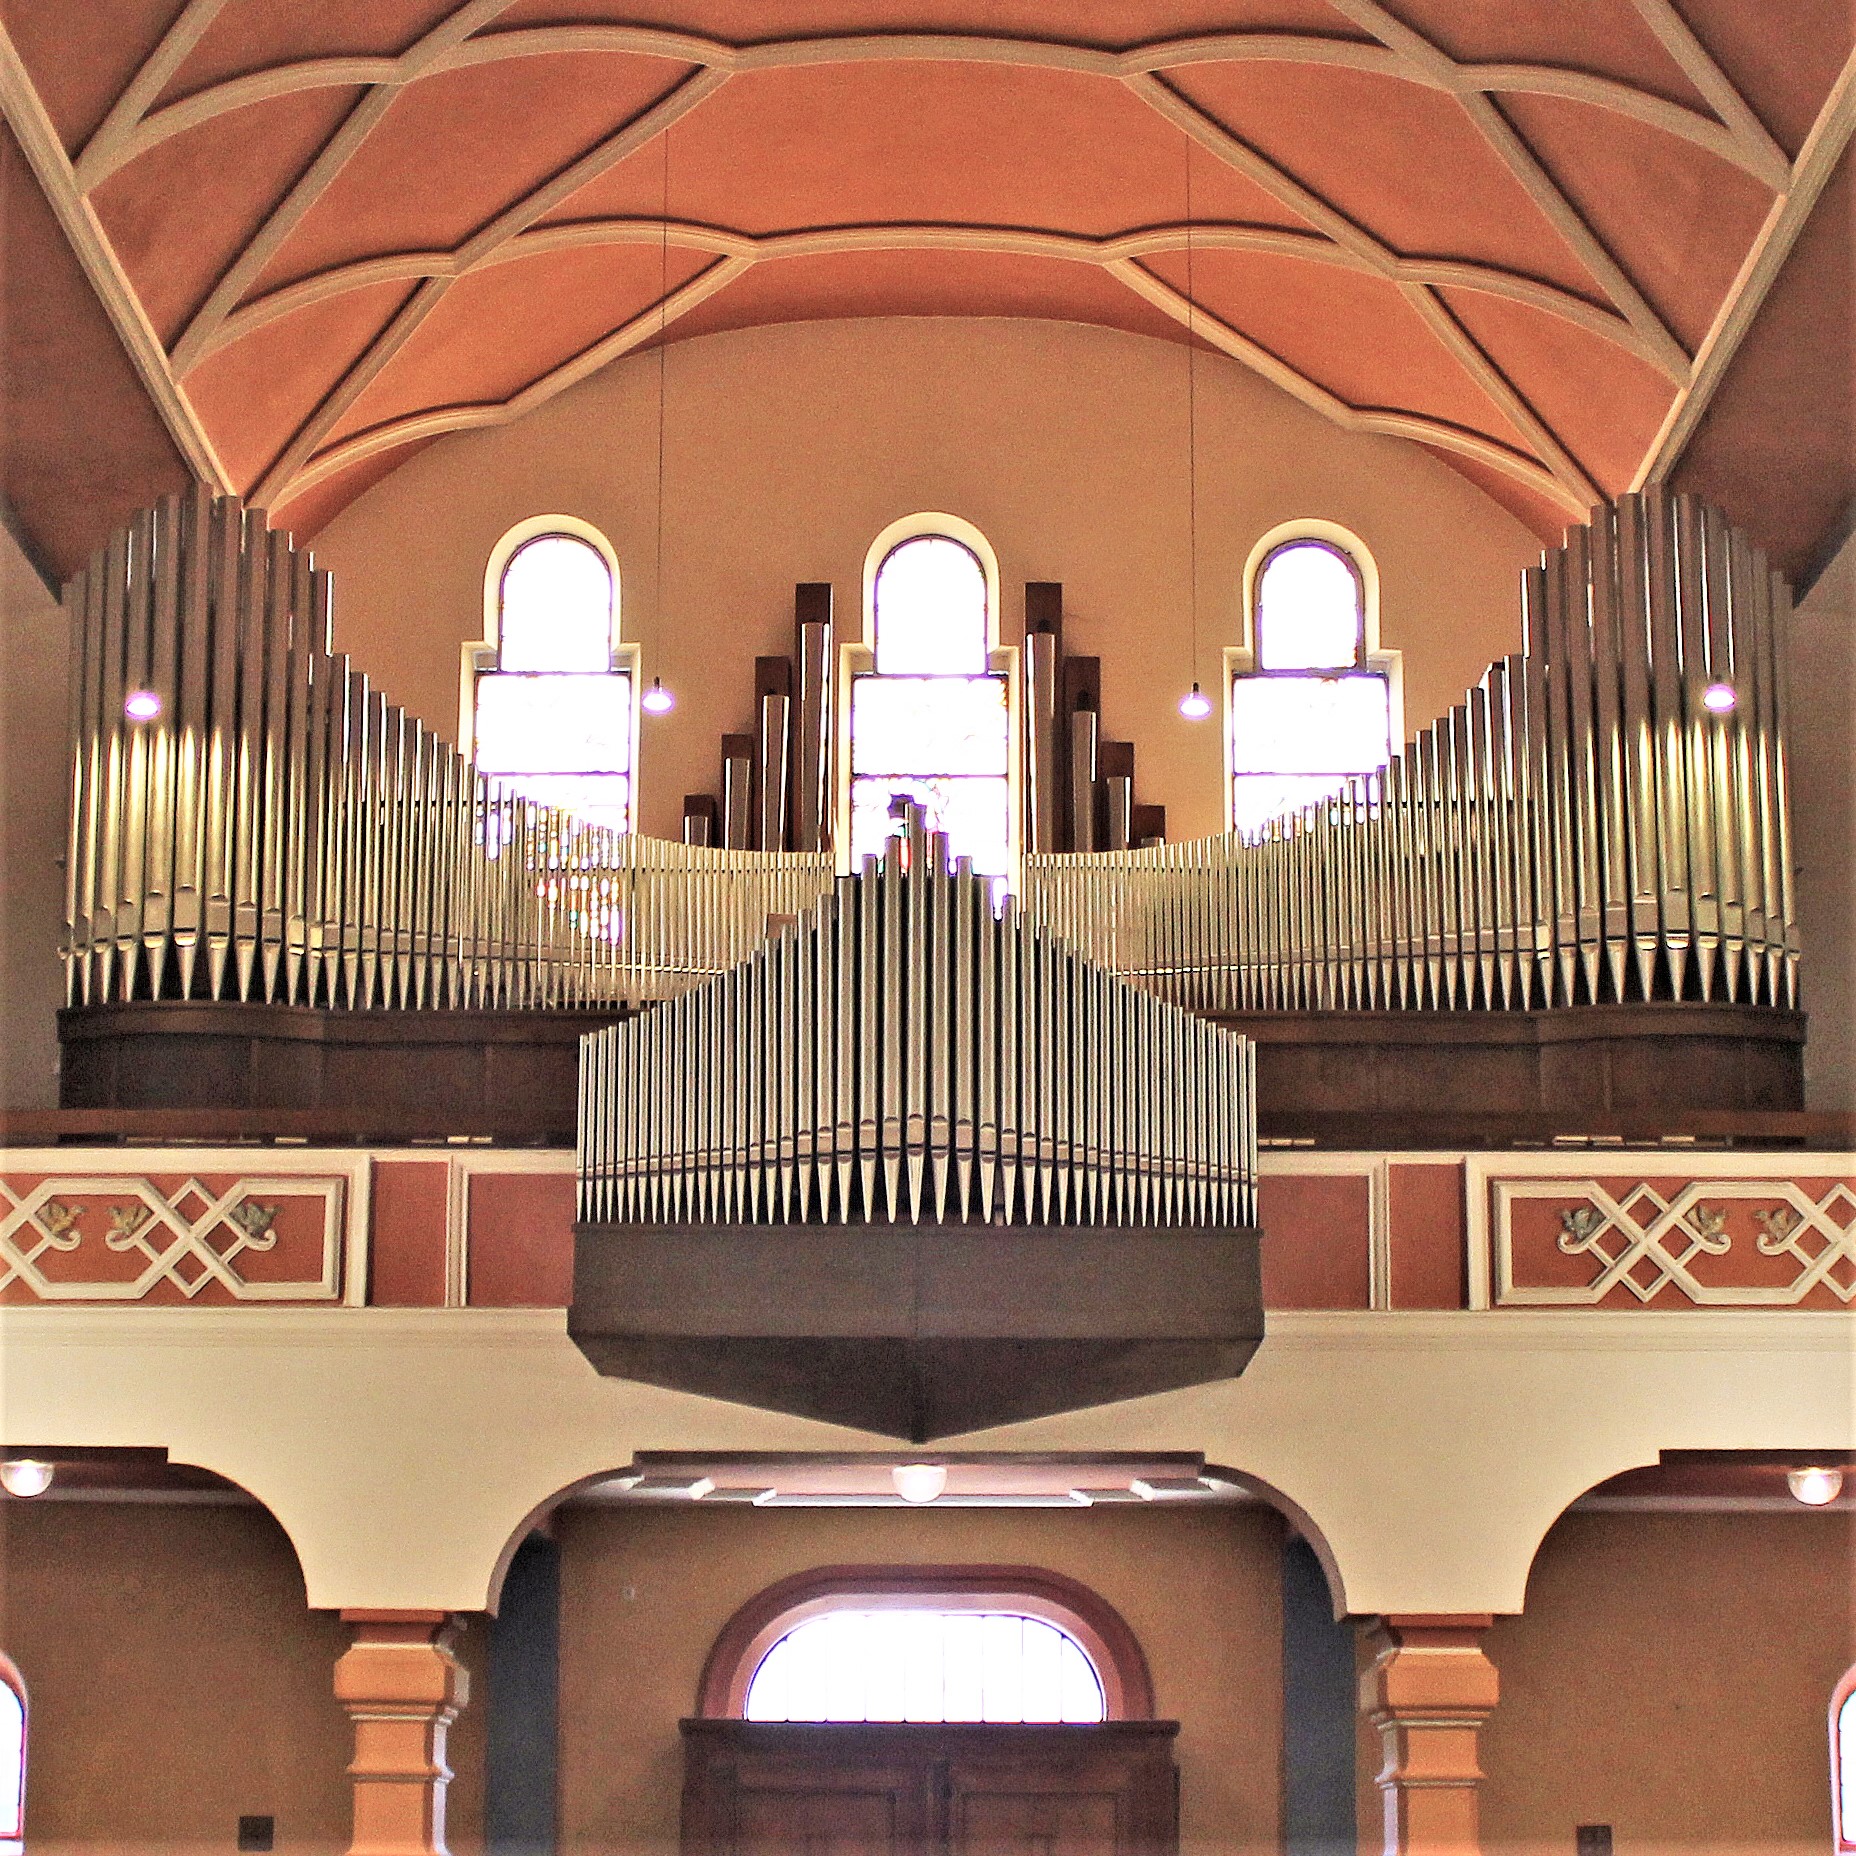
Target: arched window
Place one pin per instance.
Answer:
(925, 1663)
(12, 1760)
(1310, 703)
(978, 1643)
(1843, 1761)
(551, 693)
(930, 710)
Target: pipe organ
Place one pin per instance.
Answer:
(1583, 827)
(909, 1052)
(277, 831)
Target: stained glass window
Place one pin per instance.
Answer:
(932, 722)
(1311, 713)
(553, 711)
(926, 1665)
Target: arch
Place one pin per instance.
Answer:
(928, 522)
(1843, 1760)
(14, 1715)
(1337, 697)
(946, 732)
(1031, 1591)
(575, 744)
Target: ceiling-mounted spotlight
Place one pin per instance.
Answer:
(142, 706)
(1195, 705)
(1719, 698)
(657, 700)
(25, 1476)
(1815, 1487)
(919, 1482)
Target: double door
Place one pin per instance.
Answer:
(762, 1788)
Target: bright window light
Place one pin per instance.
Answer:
(932, 723)
(1308, 609)
(931, 610)
(556, 607)
(920, 1665)
(1846, 1770)
(12, 1767)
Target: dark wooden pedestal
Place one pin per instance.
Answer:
(916, 1331)
(513, 1074)
(870, 1788)
(1386, 1079)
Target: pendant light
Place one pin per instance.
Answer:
(1195, 705)
(657, 700)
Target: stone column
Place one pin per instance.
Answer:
(1428, 1691)
(402, 1688)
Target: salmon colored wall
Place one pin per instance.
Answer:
(177, 1680)
(32, 828)
(643, 1595)
(788, 448)
(1670, 1677)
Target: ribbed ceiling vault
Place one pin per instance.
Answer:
(1526, 235)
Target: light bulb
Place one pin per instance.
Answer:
(25, 1476)
(657, 699)
(141, 705)
(919, 1482)
(1719, 698)
(1195, 705)
(1815, 1487)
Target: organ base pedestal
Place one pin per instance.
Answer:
(917, 1331)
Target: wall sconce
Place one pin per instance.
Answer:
(1815, 1487)
(919, 1482)
(26, 1476)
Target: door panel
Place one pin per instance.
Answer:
(778, 1788)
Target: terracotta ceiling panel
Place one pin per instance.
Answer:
(920, 283)
(181, 213)
(306, 515)
(1401, 160)
(919, 143)
(1539, 514)
(1678, 219)
(1352, 334)
(1603, 404)
(1782, 59)
(1608, 37)
(454, 149)
(497, 329)
(81, 448)
(972, 144)
(253, 35)
(1774, 447)
(80, 56)
(1108, 23)
(254, 393)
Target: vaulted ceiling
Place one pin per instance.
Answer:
(1528, 234)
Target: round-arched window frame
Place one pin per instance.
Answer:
(1082, 1617)
(1843, 1761)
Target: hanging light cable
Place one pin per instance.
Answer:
(1195, 705)
(658, 700)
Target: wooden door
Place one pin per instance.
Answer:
(891, 1789)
